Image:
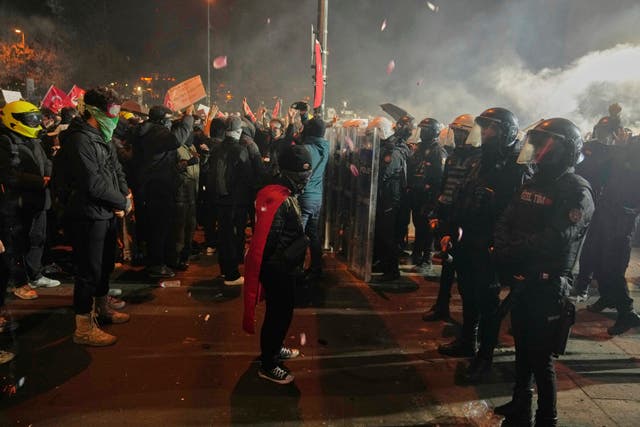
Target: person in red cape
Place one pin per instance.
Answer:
(275, 258)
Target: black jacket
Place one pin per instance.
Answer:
(542, 229)
(424, 172)
(392, 177)
(286, 231)
(230, 176)
(483, 196)
(154, 151)
(28, 174)
(96, 182)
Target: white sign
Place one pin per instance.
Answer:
(11, 95)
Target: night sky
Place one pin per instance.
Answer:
(469, 55)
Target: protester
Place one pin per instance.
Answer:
(274, 259)
(155, 145)
(98, 193)
(231, 184)
(21, 128)
(311, 199)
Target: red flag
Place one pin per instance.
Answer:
(75, 93)
(55, 100)
(319, 88)
(276, 108)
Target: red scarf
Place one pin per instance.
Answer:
(268, 201)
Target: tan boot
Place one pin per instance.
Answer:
(88, 333)
(108, 315)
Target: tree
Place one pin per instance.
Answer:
(43, 65)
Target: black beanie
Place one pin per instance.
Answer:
(158, 112)
(295, 158)
(314, 127)
(234, 124)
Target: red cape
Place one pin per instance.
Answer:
(268, 201)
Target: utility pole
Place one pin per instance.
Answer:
(323, 12)
(208, 53)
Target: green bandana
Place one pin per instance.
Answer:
(107, 124)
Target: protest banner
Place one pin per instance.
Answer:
(185, 93)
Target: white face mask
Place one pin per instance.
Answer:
(235, 134)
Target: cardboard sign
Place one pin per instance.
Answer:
(184, 94)
(11, 95)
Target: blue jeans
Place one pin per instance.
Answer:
(310, 222)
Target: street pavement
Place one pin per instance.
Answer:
(367, 360)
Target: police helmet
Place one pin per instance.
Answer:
(429, 129)
(555, 143)
(506, 122)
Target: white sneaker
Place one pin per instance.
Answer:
(239, 281)
(115, 292)
(44, 282)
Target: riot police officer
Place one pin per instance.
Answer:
(538, 240)
(424, 174)
(392, 181)
(464, 158)
(403, 130)
(593, 168)
(482, 198)
(613, 226)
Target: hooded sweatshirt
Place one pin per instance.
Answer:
(319, 150)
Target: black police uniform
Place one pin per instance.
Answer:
(613, 226)
(391, 186)
(457, 166)
(424, 175)
(594, 169)
(483, 197)
(537, 240)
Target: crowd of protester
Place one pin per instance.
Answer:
(498, 210)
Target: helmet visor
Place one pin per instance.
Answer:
(31, 119)
(541, 146)
(485, 122)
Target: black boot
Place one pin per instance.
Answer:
(545, 421)
(624, 322)
(458, 348)
(436, 313)
(518, 411)
(479, 367)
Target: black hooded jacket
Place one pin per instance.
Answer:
(231, 175)
(97, 185)
(27, 171)
(155, 157)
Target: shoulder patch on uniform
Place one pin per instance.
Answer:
(575, 215)
(387, 158)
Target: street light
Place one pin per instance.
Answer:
(19, 31)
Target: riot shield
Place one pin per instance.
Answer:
(350, 197)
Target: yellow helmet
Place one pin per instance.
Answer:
(126, 115)
(23, 118)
